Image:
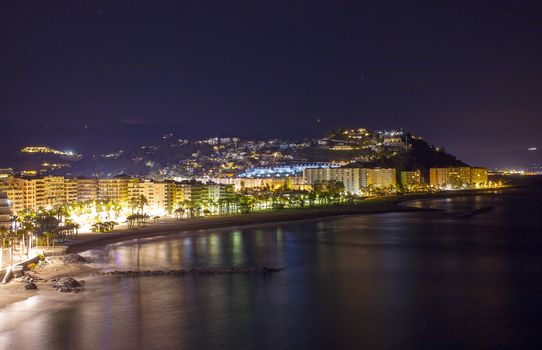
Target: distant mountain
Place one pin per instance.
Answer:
(100, 147)
(85, 140)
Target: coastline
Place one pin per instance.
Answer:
(14, 291)
(171, 226)
(379, 205)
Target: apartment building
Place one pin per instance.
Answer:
(350, 177)
(378, 177)
(410, 179)
(5, 210)
(458, 177)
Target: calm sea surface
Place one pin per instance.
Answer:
(425, 280)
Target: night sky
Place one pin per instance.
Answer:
(466, 75)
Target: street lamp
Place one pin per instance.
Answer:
(29, 244)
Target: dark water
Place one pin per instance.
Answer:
(425, 280)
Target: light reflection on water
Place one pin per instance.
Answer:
(390, 281)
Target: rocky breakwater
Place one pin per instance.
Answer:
(29, 280)
(67, 285)
(184, 272)
(72, 258)
(52, 272)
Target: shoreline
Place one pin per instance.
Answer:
(225, 222)
(14, 291)
(379, 205)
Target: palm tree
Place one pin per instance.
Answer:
(143, 201)
(130, 219)
(311, 196)
(221, 201)
(179, 212)
(246, 204)
(47, 225)
(60, 211)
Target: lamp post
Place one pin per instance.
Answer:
(29, 246)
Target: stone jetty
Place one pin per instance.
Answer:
(180, 273)
(67, 285)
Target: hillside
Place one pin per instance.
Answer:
(171, 150)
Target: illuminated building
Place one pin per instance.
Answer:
(54, 191)
(350, 177)
(177, 195)
(115, 189)
(342, 148)
(32, 191)
(218, 192)
(70, 190)
(87, 189)
(14, 195)
(285, 170)
(478, 177)
(378, 177)
(439, 177)
(202, 195)
(292, 182)
(6, 173)
(134, 188)
(411, 179)
(194, 192)
(5, 211)
(458, 177)
(160, 195)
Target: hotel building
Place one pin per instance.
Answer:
(410, 179)
(378, 177)
(350, 177)
(458, 177)
(478, 177)
(87, 189)
(5, 211)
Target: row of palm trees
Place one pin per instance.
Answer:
(45, 226)
(106, 226)
(48, 225)
(265, 198)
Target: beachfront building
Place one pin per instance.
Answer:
(458, 177)
(197, 194)
(14, 194)
(411, 179)
(439, 177)
(87, 189)
(32, 192)
(162, 196)
(478, 177)
(219, 192)
(54, 191)
(159, 194)
(5, 210)
(70, 190)
(350, 177)
(121, 188)
(378, 177)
